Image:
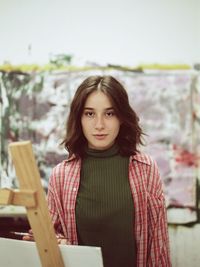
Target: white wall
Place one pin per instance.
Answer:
(198, 34)
(126, 32)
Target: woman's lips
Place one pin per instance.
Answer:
(100, 136)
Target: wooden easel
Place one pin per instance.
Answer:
(32, 196)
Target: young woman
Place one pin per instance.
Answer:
(107, 193)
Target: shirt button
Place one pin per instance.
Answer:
(74, 189)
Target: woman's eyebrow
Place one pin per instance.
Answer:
(89, 108)
(110, 108)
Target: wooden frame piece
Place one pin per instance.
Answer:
(6, 196)
(38, 216)
(25, 198)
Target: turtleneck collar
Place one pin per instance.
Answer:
(113, 150)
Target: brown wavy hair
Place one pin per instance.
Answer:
(130, 133)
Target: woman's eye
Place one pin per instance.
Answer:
(110, 114)
(89, 114)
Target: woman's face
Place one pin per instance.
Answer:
(99, 122)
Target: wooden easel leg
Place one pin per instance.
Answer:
(39, 218)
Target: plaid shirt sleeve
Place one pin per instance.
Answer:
(61, 197)
(54, 203)
(151, 228)
(158, 240)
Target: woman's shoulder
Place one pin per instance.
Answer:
(66, 165)
(143, 158)
(150, 171)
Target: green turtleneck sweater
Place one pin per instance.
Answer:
(104, 207)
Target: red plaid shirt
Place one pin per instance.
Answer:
(151, 231)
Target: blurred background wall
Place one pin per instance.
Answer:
(127, 32)
(118, 32)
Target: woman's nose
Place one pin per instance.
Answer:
(99, 123)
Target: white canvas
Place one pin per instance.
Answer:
(18, 253)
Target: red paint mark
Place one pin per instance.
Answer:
(186, 157)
